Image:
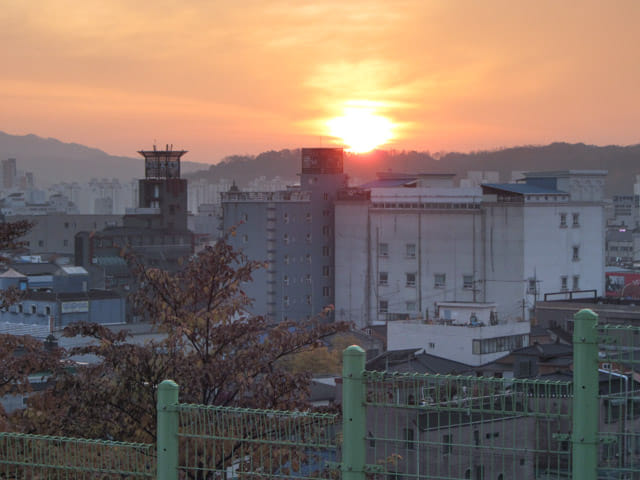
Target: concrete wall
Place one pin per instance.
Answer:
(352, 258)
(452, 342)
(56, 233)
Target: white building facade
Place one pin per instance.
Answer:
(413, 244)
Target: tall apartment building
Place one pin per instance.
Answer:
(407, 244)
(293, 232)
(9, 173)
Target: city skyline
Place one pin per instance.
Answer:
(228, 79)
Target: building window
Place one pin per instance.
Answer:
(563, 283)
(383, 278)
(245, 217)
(41, 243)
(383, 306)
(308, 217)
(286, 259)
(47, 310)
(326, 251)
(383, 249)
(531, 286)
(285, 238)
(411, 279)
(326, 213)
(409, 436)
(308, 299)
(467, 282)
(20, 308)
(411, 250)
(285, 301)
(576, 220)
(439, 280)
(446, 444)
(285, 280)
(432, 345)
(325, 270)
(326, 196)
(326, 230)
(34, 309)
(563, 220)
(308, 238)
(65, 242)
(576, 282)
(576, 254)
(285, 217)
(326, 291)
(245, 238)
(411, 306)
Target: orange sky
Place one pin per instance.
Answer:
(226, 76)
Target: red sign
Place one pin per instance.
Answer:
(623, 285)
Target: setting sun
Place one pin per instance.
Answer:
(361, 129)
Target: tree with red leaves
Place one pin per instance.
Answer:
(218, 352)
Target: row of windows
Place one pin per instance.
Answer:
(620, 249)
(499, 344)
(33, 309)
(287, 301)
(140, 240)
(383, 306)
(439, 280)
(27, 243)
(409, 250)
(287, 239)
(575, 220)
(287, 218)
(421, 205)
(287, 259)
(564, 282)
(303, 279)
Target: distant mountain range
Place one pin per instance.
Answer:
(54, 161)
(622, 163)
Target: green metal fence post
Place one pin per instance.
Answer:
(167, 449)
(585, 395)
(354, 447)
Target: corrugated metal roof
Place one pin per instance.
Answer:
(523, 189)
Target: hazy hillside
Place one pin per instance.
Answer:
(622, 163)
(53, 161)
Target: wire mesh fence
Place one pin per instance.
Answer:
(36, 456)
(619, 401)
(458, 427)
(234, 443)
(583, 424)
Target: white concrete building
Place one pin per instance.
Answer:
(469, 344)
(417, 241)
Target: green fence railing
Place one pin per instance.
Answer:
(38, 456)
(392, 427)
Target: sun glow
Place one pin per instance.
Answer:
(361, 129)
